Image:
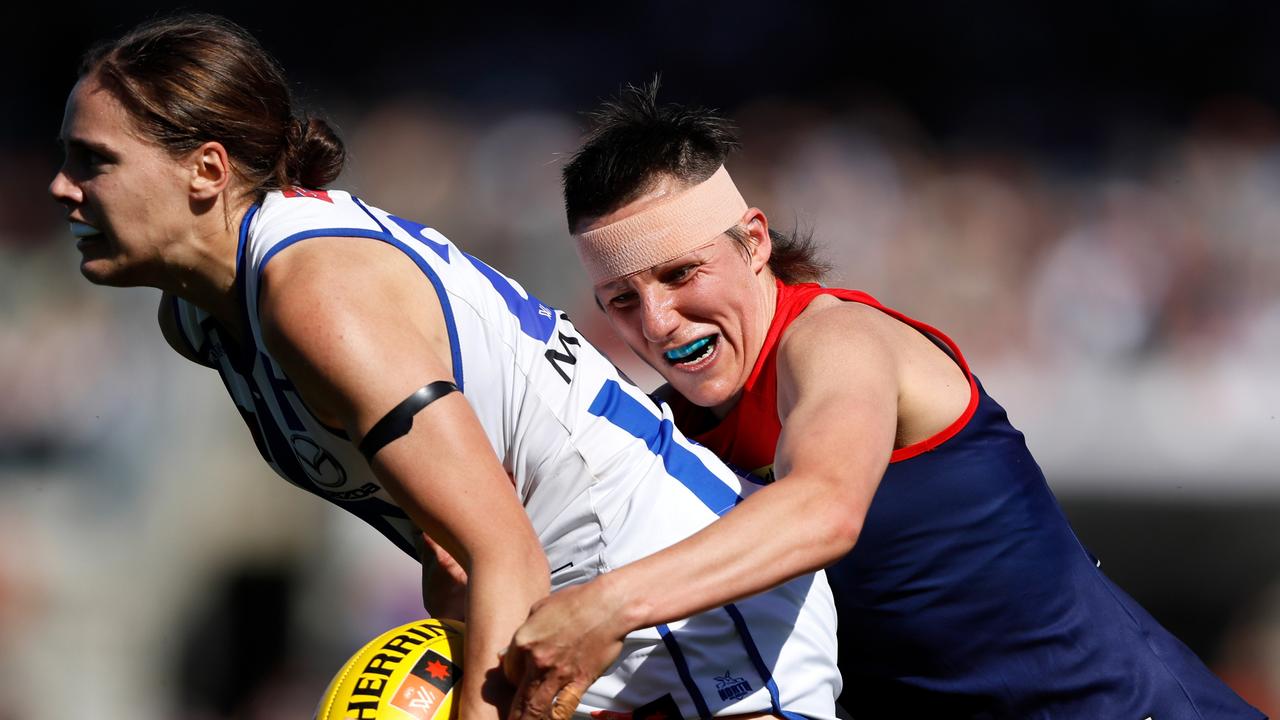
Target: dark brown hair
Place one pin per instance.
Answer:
(635, 141)
(191, 78)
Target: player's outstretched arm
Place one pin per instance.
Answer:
(358, 331)
(838, 399)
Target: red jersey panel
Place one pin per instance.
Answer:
(748, 436)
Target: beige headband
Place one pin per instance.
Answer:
(675, 226)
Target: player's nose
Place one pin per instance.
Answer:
(658, 316)
(65, 191)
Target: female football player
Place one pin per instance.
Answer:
(380, 367)
(962, 591)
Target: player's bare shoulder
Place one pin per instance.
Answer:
(831, 325)
(345, 317)
(316, 288)
(837, 349)
(843, 342)
(853, 327)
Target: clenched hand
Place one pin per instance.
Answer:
(569, 639)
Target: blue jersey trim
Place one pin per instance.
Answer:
(766, 676)
(682, 669)
(242, 240)
(536, 318)
(321, 232)
(175, 306)
(278, 386)
(455, 350)
(305, 235)
(365, 208)
(415, 230)
(613, 404)
(246, 350)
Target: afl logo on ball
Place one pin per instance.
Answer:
(427, 685)
(321, 467)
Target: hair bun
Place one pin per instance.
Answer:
(314, 154)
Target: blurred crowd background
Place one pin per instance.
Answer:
(1087, 199)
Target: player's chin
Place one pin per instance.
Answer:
(94, 272)
(699, 390)
(106, 271)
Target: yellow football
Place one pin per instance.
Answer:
(407, 673)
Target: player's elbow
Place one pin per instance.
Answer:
(828, 516)
(842, 533)
(839, 529)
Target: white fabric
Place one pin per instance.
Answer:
(597, 496)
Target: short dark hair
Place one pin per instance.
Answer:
(190, 78)
(634, 142)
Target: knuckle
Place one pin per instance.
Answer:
(543, 658)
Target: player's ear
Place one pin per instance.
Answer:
(210, 171)
(759, 240)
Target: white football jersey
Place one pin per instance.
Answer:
(602, 472)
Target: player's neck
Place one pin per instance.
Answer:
(201, 267)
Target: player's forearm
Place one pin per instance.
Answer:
(500, 592)
(792, 527)
(442, 595)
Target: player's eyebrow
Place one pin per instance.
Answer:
(610, 287)
(83, 144)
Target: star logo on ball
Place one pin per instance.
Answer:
(437, 670)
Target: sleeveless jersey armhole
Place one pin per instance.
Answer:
(947, 345)
(801, 295)
(386, 236)
(179, 311)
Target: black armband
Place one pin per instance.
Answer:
(397, 423)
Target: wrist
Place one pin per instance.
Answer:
(630, 607)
